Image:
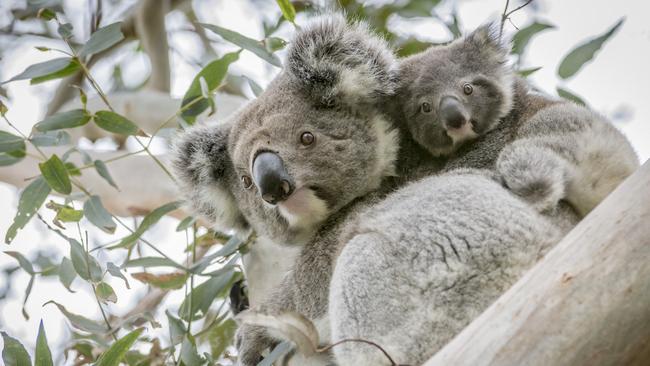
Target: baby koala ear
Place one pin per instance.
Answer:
(487, 40)
(334, 62)
(205, 174)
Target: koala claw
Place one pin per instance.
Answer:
(251, 341)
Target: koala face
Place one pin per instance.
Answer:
(454, 93)
(310, 144)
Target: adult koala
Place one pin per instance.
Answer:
(297, 163)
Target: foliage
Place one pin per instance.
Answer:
(203, 320)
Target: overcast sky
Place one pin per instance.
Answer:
(616, 83)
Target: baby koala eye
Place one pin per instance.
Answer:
(247, 181)
(425, 107)
(307, 138)
(467, 88)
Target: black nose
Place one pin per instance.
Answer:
(452, 113)
(271, 178)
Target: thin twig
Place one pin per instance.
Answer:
(506, 14)
(358, 340)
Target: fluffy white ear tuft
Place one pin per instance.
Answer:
(335, 62)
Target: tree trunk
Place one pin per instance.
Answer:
(586, 303)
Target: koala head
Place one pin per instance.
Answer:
(310, 144)
(454, 93)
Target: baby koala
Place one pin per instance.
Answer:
(464, 101)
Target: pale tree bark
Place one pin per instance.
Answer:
(586, 303)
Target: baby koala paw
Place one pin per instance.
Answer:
(251, 341)
(536, 174)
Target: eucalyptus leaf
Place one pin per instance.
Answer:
(43, 356)
(255, 87)
(30, 201)
(7, 159)
(69, 119)
(13, 353)
(105, 292)
(189, 354)
(149, 220)
(203, 296)
(72, 67)
(214, 74)
(186, 223)
(279, 351)
(67, 274)
(80, 322)
(65, 30)
(568, 95)
(56, 175)
(98, 216)
(84, 264)
(42, 69)
(521, 39)
(584, 53)
(176, 328)
(287, 9)
(102, 170)
(10, 142)
(24, 263)
(165, 281)
(148, 262)
(113, 122)
(28, 291)
(255, 46)
(116, 272)
(102, 39)
(50, 138)
(115, 354)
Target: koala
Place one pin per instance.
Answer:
(296, 163)
(464, 101)
(421, 264)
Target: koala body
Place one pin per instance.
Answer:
(463, 100)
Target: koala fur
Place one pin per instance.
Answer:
(552, 150)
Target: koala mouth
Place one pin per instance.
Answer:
(304, 208)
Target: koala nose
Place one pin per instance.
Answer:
(452, 113)
(271, 178)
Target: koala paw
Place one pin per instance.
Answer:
(251, 341)
(535, 174)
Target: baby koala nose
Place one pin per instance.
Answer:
(452, 113)
(271, 178)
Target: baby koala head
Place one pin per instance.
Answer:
(454, 93)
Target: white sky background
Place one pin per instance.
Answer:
(615, 83)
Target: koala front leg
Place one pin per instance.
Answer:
(534, 172)
(251, 341)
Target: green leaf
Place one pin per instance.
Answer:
(65, 30)
(521, 39)
(584, 53)
(189, 354)
(13, 353)
(165, 281)
(231, 246)
(69, 214)
(527, 72)
(102, 170)
(67, 274)
(28, 291)
(288, 11)
(255, 46)
(56, 175)
(102, 39)
(149, 220)
(3, 107)
(273, 44)
(568, 95)
(46, 14)
(220, 336)
(98, 216)
(7, 159)
(186, 223)
(279, 351)
(22, 261)
(116, 272)
(42, 69)
(43, 356)
(203, 295)
(176, 328)
(113, 122)
(106, 293)
(214, 73)
(114, 355)
(80, 322)
(84, 264)
(255, 87)
(50, 138)
(72, 67)
(30, 201)
(9, 142)
(69, 119)
(148, 262)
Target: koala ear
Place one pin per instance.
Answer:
(486, 39)
(336, 62)
(206, 175)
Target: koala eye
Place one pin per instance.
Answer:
(307, 138)
(425, 107)
(467, 88)
(247, 181)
